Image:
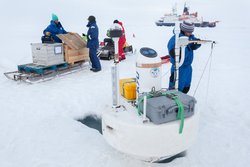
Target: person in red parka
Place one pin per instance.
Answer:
(121, 42)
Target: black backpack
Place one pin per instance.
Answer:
(47, 39)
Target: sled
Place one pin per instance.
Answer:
(33, 73)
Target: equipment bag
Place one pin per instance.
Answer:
(163, 109)
(47, 39)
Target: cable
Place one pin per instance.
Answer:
(165, 74)
(210, 57)
(209, 74)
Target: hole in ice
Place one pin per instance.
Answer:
(182, 154)
(92, 121)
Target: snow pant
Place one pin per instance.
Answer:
(94, 59)
(185, 77)
(120, 50)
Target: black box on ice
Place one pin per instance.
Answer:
(128, 49)
(115, 33)
(163, 109)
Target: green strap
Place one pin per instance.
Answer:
(180, 114)
(141, 101)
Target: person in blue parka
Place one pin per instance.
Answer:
(185, 70)
(93, 43)
(55, 28)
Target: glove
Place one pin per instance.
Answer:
(47, 33)
(108, 33)
(194, 46)
(59, 24)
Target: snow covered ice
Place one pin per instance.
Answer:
(38, 123)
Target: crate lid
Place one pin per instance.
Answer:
(73, 40)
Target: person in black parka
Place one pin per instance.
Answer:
(93, 43)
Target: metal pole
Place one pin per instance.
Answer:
(114, 73)
(116, 56)
(115, 76)
(182, 55)
(177, 54)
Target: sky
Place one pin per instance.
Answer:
(38, 124)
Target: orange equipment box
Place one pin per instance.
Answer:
(128, 88)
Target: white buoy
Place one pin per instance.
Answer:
(148, 70)
(129, 134)
(136, 135)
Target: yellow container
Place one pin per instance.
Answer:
(128, 88)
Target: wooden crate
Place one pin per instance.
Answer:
(72, 56)
(73, 40)
(74, 48)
